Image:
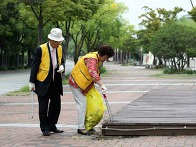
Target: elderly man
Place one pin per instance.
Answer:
(46, 80)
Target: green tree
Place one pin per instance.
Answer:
(78, 30)
(126, 42)
(193, 13)
(44, 11)
(172, 42)
(11, 34)
(72, 13)
(191, 52)
(98, 29)
(153, 20)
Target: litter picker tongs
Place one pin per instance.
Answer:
(108, 107)
(32, 104)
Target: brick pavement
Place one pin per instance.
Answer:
(125, 84)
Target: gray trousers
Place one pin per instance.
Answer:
(80, 100)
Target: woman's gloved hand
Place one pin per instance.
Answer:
(103, 89)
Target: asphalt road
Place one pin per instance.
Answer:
(14, 80)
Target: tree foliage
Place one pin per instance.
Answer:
(193, 14)
(12, 32)
(101, 28)
(153, 20)
(173, 42)
(86, 23)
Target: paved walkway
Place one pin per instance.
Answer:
(19, 125)
(13, 80)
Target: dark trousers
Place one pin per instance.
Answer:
(49, 108)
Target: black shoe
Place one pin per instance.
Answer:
(56, 130)
(83, 132)
(91, 131)
(46, 133)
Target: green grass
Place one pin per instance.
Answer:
(65, 79)
(23, 91)
(163, 73)
(175, 76)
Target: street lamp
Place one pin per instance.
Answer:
(191, 3)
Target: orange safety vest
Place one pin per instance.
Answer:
(80, 72)
(45, 62)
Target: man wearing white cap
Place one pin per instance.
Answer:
(46, 80)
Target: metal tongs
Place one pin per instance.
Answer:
(108, 107)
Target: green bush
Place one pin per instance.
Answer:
(20, 67)
(23, 91)
(175, 71)
(102, 70)
(26, 67)
(169, 71)
(3, 69)
(11, 68)
(65, 79)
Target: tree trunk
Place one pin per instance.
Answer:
(67, 38)
(40, 32)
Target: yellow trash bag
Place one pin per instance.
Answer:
(95, 109)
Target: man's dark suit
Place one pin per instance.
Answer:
(47, 90)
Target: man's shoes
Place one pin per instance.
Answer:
(56, 130)
(46, 133)
(83, 132)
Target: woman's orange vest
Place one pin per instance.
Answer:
(80, 72)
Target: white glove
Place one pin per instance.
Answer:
(61, 69)
(31, 86)
(103, 89)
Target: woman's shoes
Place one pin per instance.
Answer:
(92, 130)
(85, 132)
(82, 131)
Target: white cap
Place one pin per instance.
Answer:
(56, 34)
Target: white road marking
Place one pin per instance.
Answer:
(63, 103)
(38, 125)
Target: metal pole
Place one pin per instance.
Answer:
(108, 107)
(32, 104)
(191, 3)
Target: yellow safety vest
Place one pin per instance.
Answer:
(45, 62)
(80, 72)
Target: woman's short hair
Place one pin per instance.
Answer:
(106, 50)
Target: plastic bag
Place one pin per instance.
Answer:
(95, 108)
